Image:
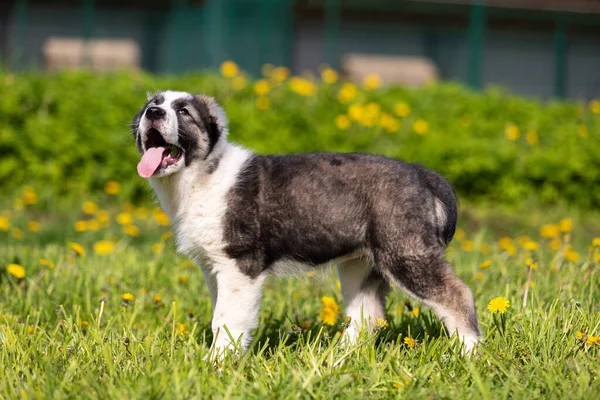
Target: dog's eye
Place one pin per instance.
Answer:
(183, 111)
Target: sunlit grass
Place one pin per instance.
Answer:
(103, 313)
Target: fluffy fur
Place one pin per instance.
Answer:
(242, 217)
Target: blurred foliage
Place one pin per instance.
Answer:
(68, 133)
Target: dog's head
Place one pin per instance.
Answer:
(176, 129)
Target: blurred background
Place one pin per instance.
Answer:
(541, 48)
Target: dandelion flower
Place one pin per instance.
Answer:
(549, 231)
(77, 248)
(183, 279)
(89, 207)
(410, 342)
(104, 247)
(280, 74)
(33, 226)
(4, 224)
(342, 122)
(372, 81)
(30, 196)
(84, 324)
(229, 69)
(124, 218)
(17, 233)
(512, 132)
(166, 236)
(239, 82)
(157, 298)
(486, 264)
(402, 109)
(571, 255)
(531, 263)
(131, 230)
(16, 270)
(498, 305)
(468, 246)
(47, 263)
(157, 248)
(420, 126)
(329, 76)
(530, 245)
(182, 330)
(381, 323)
(80, 226)
(112, 188)
(415, 312)
(596, 242)
(261, 87)
(160, 217)
(531, 137)
(566, 225)
(263, 103)
(595, 106)
(302, 86)
(328, 316)
(347, 93)
(127, 297)
(330, 303)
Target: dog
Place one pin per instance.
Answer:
(242, 217)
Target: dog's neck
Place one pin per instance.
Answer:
(201, 180)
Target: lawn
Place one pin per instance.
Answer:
(95, 303)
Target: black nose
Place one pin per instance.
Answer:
(155, 113)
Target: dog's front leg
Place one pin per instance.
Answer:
(235, 314)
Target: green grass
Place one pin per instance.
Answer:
(65, 331)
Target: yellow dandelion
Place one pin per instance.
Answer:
(415, 312)
(182, 330)
(112, 188)
(402, 109)
(328, 316)
(512, 132)
(103, 217)
(498, 305)
(187, 264)
(486, 264)
(261, 87)
(84, 324)
(571, 255)
(263, 103)
(89, 207)
(593, 340)
(479, 276)
(161, 217)
(30, 197)
(381, 323)
(595, 106)
(157, 298)
(93, 225)
(531, 284)
(183, 279)
(302, 86)
(329, 76)
(530, 245)
(124, 218)
(280, 74)
(30, 330)
(16, 270)
(127, 297)
(356, 111)
(4, 224)
(33, 226)
(104, 247)
(131, 230)
(329, 303)
(531, 137)
(410, 342)
(566, 225)
(157, 248)
(485, 248)
(239, 82)
(549, 231)
(582, 131)
(347, 93)
(47, 263)
(80, 226)
(555, 244)
(372, 81)
(166, 236)
(77, 248)
(596, 242)
(531, 263)
(17, 233)
(460, 234)
(420, 126)
(342, 122)
(389, 123)
(229, 69)
(304, 325)
(338, 284)
(468, 246)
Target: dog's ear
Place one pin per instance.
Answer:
(216, 123)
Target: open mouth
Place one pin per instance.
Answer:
(158, 154)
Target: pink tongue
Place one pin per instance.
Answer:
(150, 161)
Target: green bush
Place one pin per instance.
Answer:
(69, 132)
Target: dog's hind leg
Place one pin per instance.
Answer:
(430, 278)
(364, 291)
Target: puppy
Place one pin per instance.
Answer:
(242, 216)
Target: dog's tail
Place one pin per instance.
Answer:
(445, 207)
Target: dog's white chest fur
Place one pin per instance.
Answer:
(196, 202)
